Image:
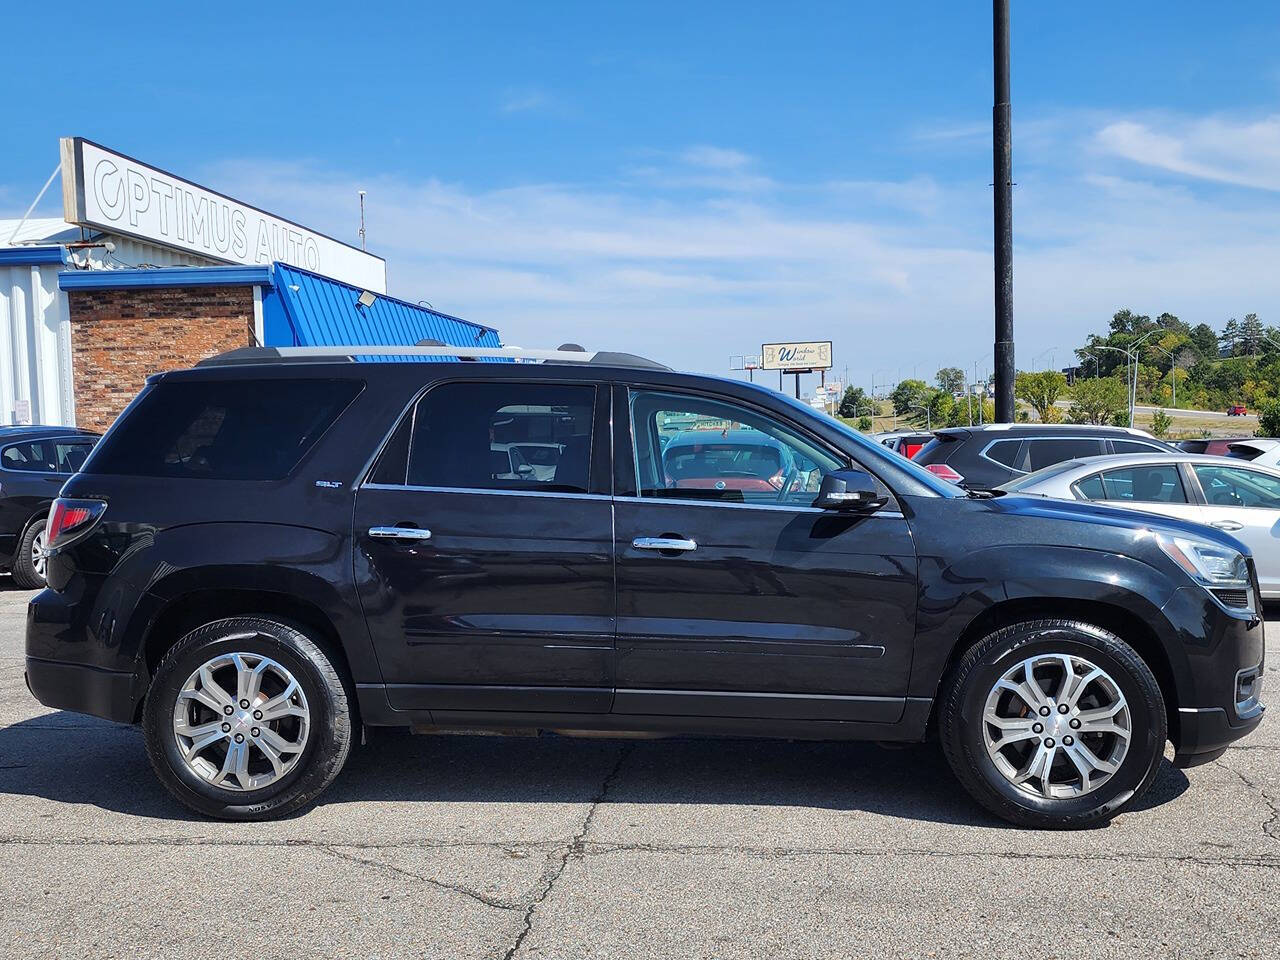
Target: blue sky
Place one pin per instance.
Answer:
(689, 180)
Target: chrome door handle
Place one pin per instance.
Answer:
(399, 533)
(1227, 525)
(664, 543)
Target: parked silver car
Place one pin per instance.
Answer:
(1234, 495)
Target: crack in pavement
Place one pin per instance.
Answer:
(574, 849)
(1269, 826)
(466, 891)
(421, 844)
(782, 853)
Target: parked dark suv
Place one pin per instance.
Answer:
(262, 557)
(35, 462)
(986, 456)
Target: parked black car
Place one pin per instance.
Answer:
(35, 461)
(986, 456)
(261, 557)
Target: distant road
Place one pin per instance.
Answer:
(1247, 418)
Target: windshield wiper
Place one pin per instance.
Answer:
(981, 493)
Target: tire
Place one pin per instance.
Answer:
(988, 773)
(324, 734)
(25, 574)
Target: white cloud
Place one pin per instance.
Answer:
(524, 100)
(679, 261)
(1241, 152)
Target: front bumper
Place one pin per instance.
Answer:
(1219, 688)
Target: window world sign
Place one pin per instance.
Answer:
(814, 355)
(115, 193)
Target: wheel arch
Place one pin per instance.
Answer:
(186, 611)
(1125, 624)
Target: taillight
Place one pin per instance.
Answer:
(945, 472)
(70, 519)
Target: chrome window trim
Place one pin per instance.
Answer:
(1024, 440)
(486, 491)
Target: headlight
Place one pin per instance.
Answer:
(1223, 571)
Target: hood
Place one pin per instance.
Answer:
(1121, 520)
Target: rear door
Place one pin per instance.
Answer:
(738, 598)
(487, 588)
(31, 474)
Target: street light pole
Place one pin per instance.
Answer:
(1002, 181)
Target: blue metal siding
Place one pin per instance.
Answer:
(165, 277)
(307, 310)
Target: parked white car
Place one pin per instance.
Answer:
(1237, 496)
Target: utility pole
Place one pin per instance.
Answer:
(1002, 181)
(361, 192)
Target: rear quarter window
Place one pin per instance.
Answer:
(223, 429)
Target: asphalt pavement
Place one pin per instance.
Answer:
(464, 846)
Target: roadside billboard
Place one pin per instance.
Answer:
(800, 356)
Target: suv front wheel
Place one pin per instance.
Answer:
(247, 719)
(1053, 724)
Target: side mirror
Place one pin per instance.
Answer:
(850, 490)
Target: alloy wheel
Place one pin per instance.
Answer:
(1057, 726)
(39, 562)
(241, 721)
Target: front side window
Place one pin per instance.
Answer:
(72, 455)
(1238, 487)
(479, 436)
(698, 448)
(1157, 483)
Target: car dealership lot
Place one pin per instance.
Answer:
(488, 847)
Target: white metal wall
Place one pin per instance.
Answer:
(35, 345)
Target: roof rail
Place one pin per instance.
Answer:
(348, 352)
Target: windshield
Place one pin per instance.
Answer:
(876, 452)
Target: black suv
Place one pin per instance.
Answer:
(35, 461)
(984, 457)
(262, 558)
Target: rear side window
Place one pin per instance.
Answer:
(1046, 452)
(1005, 452)
(1158, 483)
(34, 456)
(475, 436)
(223, 429)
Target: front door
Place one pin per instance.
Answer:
(1246, 504)
(487, 584)
(738, 598)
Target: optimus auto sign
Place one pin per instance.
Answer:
(811, 355)
(115, 193)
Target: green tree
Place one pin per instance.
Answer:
(1160, 423)
(950, 379)
(1098, 400)
(1250, 334)
(1230, 337)
(908, 394)
(1041, 390)
(864, 424)
(854, 400)
(1205, 341)
(1269, 420)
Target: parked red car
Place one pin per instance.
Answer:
(1238, 410)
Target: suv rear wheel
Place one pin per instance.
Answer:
(1053, 724)
(247, 719)
(29, 561)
